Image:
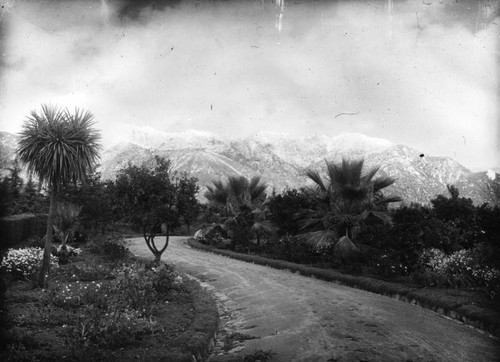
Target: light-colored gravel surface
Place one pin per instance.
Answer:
(304, 319)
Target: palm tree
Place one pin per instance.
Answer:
(66, 221)
(240, 208)
(58, 147)
(346, 199)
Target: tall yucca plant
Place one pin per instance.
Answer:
(58, 147)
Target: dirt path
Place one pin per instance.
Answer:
(304, 319)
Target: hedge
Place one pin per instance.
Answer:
(16, 229)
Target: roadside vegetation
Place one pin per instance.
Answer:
(345, 223)
(70, 290)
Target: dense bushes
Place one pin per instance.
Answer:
(464, 238)
(100, 305)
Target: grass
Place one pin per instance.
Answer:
(97, 309)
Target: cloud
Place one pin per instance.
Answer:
(410, 76)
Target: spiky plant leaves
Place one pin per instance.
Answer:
(346, 198)
(58, 147)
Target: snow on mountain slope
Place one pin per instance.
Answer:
(281, 161)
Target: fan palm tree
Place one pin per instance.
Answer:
(58, 147)
(346, 198)
(240, 206)
(66, 221)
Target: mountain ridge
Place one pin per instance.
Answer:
(281, 160)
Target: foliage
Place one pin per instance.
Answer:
(462, 268)
(212, 237)
(112, 329)
(65, 252)
(96, 197)
(32, 199)
(389, 266)
(115, 312)
(24, 263)
(58, 147)
(5, 197)
(238, 205)
(149, 199)
(17, 197)
(291, 248)
(453, 208)
(285, 207)
(347, 198)
(76, 295)
(88, 272)
(488, 220)
(187, 204)
(66, 219)
(134, 288)
(112, 249)
(461, 214)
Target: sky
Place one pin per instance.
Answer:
(419, 73)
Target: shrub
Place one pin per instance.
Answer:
(165, 279)
(110, 328)
(390, 266)
(90, 271)
(462, 268)
(113, 250)
(415, 229)
(292, 248)
(76, 294)
(64, 253)
(25, 263)
(217, 240)
(134, 288)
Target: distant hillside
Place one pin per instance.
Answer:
(281, 161)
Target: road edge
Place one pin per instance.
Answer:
(485, 320)
(200, 337)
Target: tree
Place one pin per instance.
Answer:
(460, 214)
(149, 200)
(58, 147)
(5, 197)
(347, 198)
(188, 205)
(284, 208)
(239, 207)
(16, 182)
(97, 200)
(454, 208)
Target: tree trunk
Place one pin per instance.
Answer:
(45, 264)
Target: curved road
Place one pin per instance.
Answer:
(305, 319)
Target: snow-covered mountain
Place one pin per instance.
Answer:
(281, 160)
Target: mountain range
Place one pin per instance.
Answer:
(281, 160)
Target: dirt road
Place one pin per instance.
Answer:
(304, 319)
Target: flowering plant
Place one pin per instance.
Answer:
(139, 287)
(461, 268)
(25, 263)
